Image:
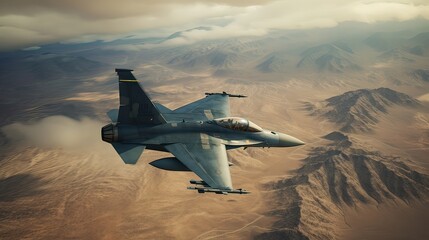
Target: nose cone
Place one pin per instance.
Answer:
(289, 141)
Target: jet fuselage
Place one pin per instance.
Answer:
(169, 133)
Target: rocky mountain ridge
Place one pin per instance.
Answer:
(334, 57)
(341, 173)
(359, 110)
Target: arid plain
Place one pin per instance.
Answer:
(358, 103)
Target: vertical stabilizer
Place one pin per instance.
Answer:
(135, 105)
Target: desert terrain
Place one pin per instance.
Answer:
(356, 97)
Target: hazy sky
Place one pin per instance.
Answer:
(26, 23)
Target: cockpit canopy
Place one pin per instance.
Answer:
(239, 124)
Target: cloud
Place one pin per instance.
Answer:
(309, 14)
(43, 26)
(109, 9)
(56, 132)
(424, 97)
(28, 23)
(32, 48)
(193, 36)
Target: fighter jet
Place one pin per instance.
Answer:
(197, 134)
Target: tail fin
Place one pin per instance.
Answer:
(135, 105)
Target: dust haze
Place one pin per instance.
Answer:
(56, 132)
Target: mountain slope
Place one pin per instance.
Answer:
(340, 173)
(215, 55)
(272, 63)
(358, 111)
(421, 39)
(397, 55)
(181, 33)
(48, 66)
(335, 57)
(421, 74)
(384, 41)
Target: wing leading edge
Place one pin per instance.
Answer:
(208, 108)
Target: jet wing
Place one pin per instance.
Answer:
(210, 107)
(206, 157)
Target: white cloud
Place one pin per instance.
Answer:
(32, 48)
(386, 11)
(83, 21)
(424, 97)
(258, 20)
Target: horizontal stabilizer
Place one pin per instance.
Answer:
(113, 115)
(130, 153)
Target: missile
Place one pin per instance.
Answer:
(219, 191)
(196, 182)
(227, 94)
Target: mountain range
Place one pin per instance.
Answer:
(359, 110)
(365, 148)
(335, 57)
(343, 172)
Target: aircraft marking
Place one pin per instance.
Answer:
(208, 113)
(122, 80)
(205, 144)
